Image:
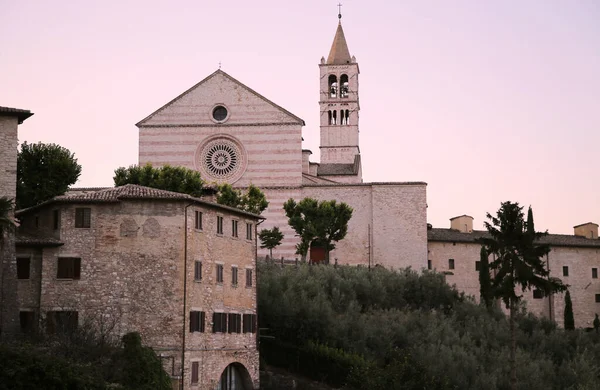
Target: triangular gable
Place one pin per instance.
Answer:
(148, 120)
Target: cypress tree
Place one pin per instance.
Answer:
(596, 323)
(569, 319)
(485, 283)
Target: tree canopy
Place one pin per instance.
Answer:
(6, 223)
(176, 179)
(43, 172)
(270, 238)
(253, 200)
(320, 222)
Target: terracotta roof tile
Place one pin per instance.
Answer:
(25, 239)
(19, 113)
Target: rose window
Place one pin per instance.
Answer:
(221, 159)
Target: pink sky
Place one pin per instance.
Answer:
(486, 101)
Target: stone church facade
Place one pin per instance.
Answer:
(231, 133)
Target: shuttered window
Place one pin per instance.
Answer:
(234, 228)
(219, 225)
(198, 220)
(83, 217)
(234, 276)
(197, 321)
(248, 231)
(235, 323)
(219, 273)
(249, 323)
(248, 278)
(68, 268)
(219, 322)
(195, 369)
(198, 270)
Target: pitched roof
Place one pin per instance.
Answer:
(339, 53)
(564, 240)
(340, 169)
(19, 113)
(27, 239)
(131, 191)
(219, 71)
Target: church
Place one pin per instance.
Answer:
(232, 134)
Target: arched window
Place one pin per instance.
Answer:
(345, 89)
(342, 117)
(333, 86)
(234, 377)
(334, 117)
(347, 117)
(330, 117)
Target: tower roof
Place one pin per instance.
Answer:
(339, 53)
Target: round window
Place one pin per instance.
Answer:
(221, 158)
(219, 113)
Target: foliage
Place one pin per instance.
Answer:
(6, 222)
(43, 172)
(176, 179)
(270, 238)
(253, 200)
(568, 314)
(485, 284)
(596, 322)
(396, 327)
(518, 263)
(320, 222)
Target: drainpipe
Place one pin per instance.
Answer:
(185, 242)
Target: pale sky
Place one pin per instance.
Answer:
(486, 101)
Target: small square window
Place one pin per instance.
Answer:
(451, 263)
(248, 231)
(198, 270)
(83, 217)
(219, 225)
(538, 294)
(597, 298)
(477, 265)
(219, 273)
(565, 270)
(68, 268)
(27, 321)
(234, 276)
(234, 228)
(23, 267)
(429, 266)
(594, 273)
(197, 320)
(248, 278)
(198, 220)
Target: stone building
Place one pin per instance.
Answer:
(231, 133)
(10, 119)
(177, 269)
(575, 259)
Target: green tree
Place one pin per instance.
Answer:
(519, 263)
(596, 323)
(321, 222)
(6, 222)
(176, 179)
(568, 314)
(270, 238)
(485, 283)
(253, 200)
(43, 172)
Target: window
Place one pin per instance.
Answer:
(451, 263)
(234, 228)
(248, 278)
(597, 298)
(333, 85)
(538, 294)
(55, 219)
(594, 273)
(61, 321)
(219, 273)
(477, 265)
(429, 265)
(195, 369)
(234, 276)
(219, 225)
(565, 270)
(248, 231)
(198, 270)
(198, 220)
(197, 319)
(83, 217)
(344, 86)
(219, 322)
(249, 323)
(235, 323)
(23, 267)
(27, 321)
(68, 268)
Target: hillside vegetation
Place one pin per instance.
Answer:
(357, 328)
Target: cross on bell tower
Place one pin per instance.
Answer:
(339, 104)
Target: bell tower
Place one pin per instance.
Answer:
(339, 106)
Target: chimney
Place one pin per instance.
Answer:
(587, 230)
(463, 223)
(306, 161)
